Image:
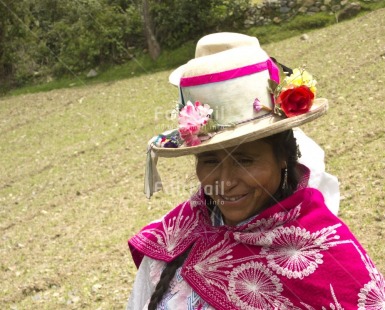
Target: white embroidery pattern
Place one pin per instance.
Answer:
(295, 252)
(174, 229)
(254, 286)
(262, 231)
(214, 262)
(372, 295)
(291, 252)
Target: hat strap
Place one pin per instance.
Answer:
(232, 74)
(152, 181)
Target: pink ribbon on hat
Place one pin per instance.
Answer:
(232, 74)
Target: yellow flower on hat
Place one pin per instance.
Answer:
(301, 77)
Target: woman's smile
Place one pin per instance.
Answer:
(240, 180)
(231, 199)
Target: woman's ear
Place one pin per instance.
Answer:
(283, 164)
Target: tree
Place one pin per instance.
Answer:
(16, 42)
(40, 38)
(148, 27)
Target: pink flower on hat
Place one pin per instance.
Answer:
(258, 106)
(192, 118)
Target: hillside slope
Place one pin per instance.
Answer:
(348, 61)
(72, 166)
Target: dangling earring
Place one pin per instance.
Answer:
(284, 183)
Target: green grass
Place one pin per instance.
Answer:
(296, 26)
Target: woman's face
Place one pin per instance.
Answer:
(240, 179)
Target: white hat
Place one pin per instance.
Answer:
(230, 73)
(231, 93)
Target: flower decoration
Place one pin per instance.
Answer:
(258, 106)
(168, 140)
(295, 100)
(301, 77)
(295, 95)
(194, 122)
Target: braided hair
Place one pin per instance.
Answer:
(165, 278)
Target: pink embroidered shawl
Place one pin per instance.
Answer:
(294, 255)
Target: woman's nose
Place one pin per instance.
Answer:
(227, 177)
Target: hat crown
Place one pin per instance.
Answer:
(222, 41)
(224, 60)
(230, 80)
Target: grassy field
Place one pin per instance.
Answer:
(72, 167)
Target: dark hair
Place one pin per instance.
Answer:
(284, 148)
(165, 279)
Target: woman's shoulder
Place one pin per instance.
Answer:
(167, 237)
(307, 209)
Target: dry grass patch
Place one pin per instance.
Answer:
(72, 167)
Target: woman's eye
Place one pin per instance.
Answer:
(244, 161)
(208, 161)
(211, 162)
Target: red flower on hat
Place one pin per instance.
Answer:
(295, 100)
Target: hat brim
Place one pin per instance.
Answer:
(175, 76)
(247, 132)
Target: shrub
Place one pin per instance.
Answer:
(301, 22)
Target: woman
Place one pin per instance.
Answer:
(256, 235)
